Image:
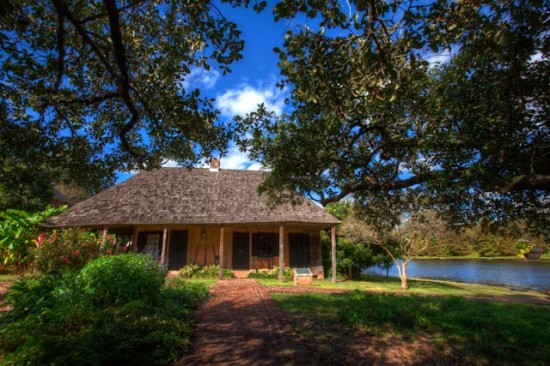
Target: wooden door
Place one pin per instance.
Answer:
(241, 251)
(299, 250)
(177, 256)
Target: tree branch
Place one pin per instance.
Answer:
(388, 186)
(123, 78)
(62, 9)
(104, 14)
(525, 182)
(60, 50)
(91, 100)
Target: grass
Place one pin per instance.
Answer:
(459, 330)
(8, 277)
(383, 284)
(204, 281)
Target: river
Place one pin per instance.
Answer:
(532, 274)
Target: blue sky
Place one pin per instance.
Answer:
(252, 80)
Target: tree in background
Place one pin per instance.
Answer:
(354, 256)
(403, 243)
(83, 81)
(375, 116)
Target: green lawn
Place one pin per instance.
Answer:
(452, 329)
(205, 281)
(8, 277)
(382, 284)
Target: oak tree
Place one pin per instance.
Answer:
(104, 81)
(443, 104)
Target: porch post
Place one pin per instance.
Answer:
(333, 252)
(104, 236)
(163, 250)
(281, 253)
(222, 270)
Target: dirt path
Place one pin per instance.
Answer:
(241, 325)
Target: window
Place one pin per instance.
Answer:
(149, 242)
(265, 245)
(152, 243)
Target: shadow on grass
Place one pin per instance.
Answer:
(470, 331)
(420, 284)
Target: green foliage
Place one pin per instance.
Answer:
(470, 331)
(25, 175)
(199, 271)
(353, 256)
(68, 249)
(376, 117)
(95, 70)
(56, 321)
(493, 245)
(272, 274)
(120, 279)
(354, 253)
(523, 246)
(339, 209)
(18, 234)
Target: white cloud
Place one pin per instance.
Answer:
(239, 160)
(170, 164)
(536, 57)
(440, 58)
(199, 77)
(245, 99)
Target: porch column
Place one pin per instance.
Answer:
(104, 236)
(333, 252)
(281, 253)
(222, 269)
(135, 236)
(163, 250)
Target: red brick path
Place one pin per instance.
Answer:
(3, 289)
(241, 325)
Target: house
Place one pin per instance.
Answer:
(206, 216)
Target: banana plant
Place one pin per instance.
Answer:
(18, 233)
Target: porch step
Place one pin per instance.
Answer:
(240, 274)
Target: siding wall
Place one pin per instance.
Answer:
(203, 245)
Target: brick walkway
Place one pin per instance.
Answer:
(241, 325)
(3, 289)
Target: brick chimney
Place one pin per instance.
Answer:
(214, 165)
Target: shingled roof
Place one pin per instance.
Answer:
(188, 196)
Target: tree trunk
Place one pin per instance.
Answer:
(404, 276)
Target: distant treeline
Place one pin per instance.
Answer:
(475, 240)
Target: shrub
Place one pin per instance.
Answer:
(119, 279)
(56, 321)
(272, 274)
(18, 232)
(198, 271)
(68, 249)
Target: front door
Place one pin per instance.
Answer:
(178, 249)
(241, 251)
(299, 250)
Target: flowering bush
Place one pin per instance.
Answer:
(18, 231)
(69, 249)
